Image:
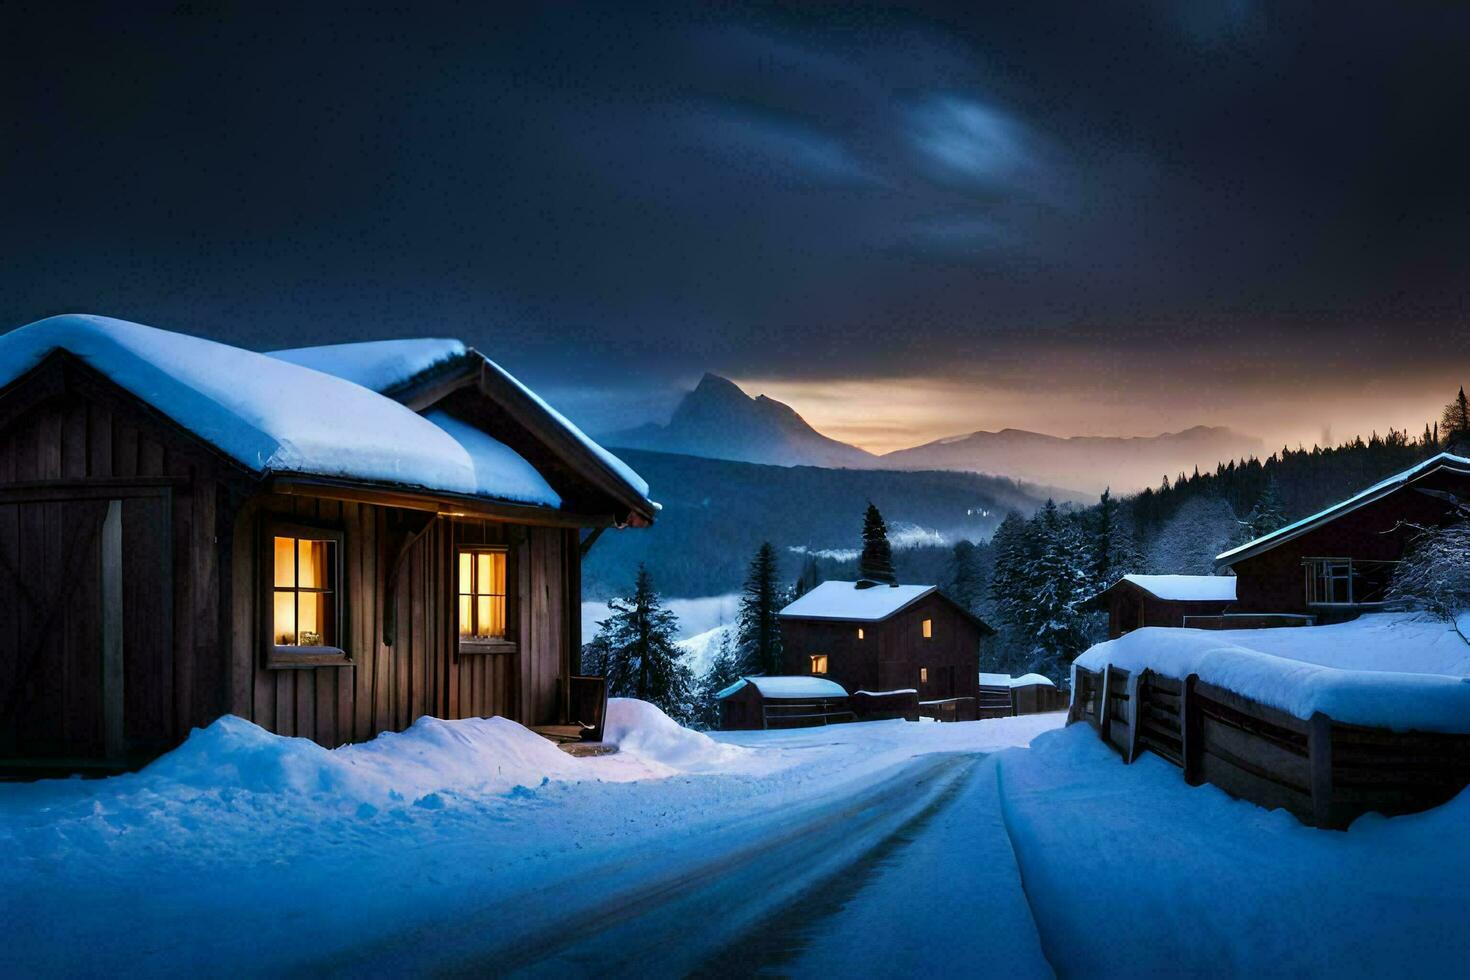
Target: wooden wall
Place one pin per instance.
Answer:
(73, 448)
(1273, 581)
(892, 652)
(1131, 608)
(387, 687)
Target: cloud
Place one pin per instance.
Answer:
(782, 148)
(963, 139)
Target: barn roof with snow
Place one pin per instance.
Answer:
(844, 600)
(281, 416)
(1379, 490)
(864, 602)
(1186, 588)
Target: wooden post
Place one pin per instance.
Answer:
(1104, 709)
(1135, 685)
(113, 735)
(1319, 758)
(1190, 735)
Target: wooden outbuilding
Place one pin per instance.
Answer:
(328, 542)
(759, 703)
(1002, 696)
(1135, 601)
(1339, 562)
(876, 637)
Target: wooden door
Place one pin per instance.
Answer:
(74, 664)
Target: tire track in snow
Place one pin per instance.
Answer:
(684, 905)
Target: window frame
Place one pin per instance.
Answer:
(826, 664)
(1331, 572)
(926, 629)
(508, 644)
(275, 656)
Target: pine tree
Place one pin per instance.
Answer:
(876, 562)
(965, 586)
(725, 669)
(810, 578)
(1455, 422)
(1115, 550)
(1056, 581)
(1011, 547)
(760, 603)
(1266, 516)
(634, 647)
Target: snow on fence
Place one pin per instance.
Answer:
(1325, 772)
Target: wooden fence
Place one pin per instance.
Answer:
(1324, 772)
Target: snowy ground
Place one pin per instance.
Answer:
(879, 849)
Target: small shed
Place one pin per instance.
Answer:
(1002, 695)
(1135, 601)
(758, 703)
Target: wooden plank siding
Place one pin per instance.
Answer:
(191, 542)
(387, 687)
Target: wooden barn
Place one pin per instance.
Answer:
(875, 637)
(1135, 601)
(759, 703)
(328, 542)
(1339, 562)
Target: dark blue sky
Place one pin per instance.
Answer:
(1077, 217)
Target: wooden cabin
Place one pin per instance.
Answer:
(329, 543)
(1339, 562)
(760, 703)
(876, 637)
(1135, 601)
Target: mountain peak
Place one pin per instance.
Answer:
(719, 420)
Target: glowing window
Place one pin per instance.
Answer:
(304, 588)
(860, 632)
(923, 675)
(928, 628)
(819, 663)
(482, 595)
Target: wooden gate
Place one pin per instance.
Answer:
(85, 590)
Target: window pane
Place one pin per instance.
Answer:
(466, 585)
(497, 573)
(314, 561)
(466, 623)
(482, 574)
(285, 619)
(497, 616)
(312, 627)
(285, 562)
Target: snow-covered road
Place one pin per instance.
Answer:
(881, 849)
(466, 847)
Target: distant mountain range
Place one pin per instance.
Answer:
(717, 420)
(1083, 462)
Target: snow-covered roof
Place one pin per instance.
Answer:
(1006, 680)
(1377, 491)
(788, 687)
(1187, 588)
(379, 365)
(845, 601)
(277, 417)
(384, 365)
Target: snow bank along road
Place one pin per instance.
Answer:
(878, 849)
(460, 846)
